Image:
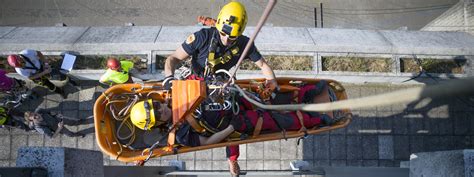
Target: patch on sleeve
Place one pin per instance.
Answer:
(190, 39)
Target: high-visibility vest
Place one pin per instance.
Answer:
(3, 115)
(118, 77)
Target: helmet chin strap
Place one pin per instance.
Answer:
(147, 109)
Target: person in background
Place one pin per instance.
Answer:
(151, 114)
(6, 83)
(10, 118)
(31, 64)
(119, 72)
(51, 123)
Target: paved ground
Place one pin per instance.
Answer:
(381, 136)
(360, 14)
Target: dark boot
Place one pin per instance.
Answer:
(61, 92)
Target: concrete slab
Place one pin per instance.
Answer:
(370, 163)
(19, 141)
(292, 153)
(321, 147)
(243, 152)
(4, 163)
(36, 140)
(5, 147)
(86, 101)
(126, 39)
(187, 156)
(354, 147)
(171, 37)
(52, 142)
(401, 147)
(282, 39)
(117, 34)
(204, 155)
(220, 165)
(386, 147)
(272, 150)
(355, 125)
(306, 144)
(203, 165)
(271, 165)
(338, 163)
(255, 151)
(255, 165)
(337, 147)
(219, 153)
(354, 163)
(5, 30)
(369, 151)
(62, 162)
(442, 163)
(435, 43)
(349, 40)
(41, 38)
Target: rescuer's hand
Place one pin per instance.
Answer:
(168, 82)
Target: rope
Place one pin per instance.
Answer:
(461, 86)
(261, 22)
(123, 116)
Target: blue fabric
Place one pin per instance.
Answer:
(199, 50)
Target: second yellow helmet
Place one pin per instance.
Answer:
(142, 115)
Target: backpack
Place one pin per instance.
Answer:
(38, 70)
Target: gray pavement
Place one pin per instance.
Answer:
(153, 43)
(377, 137)
(359, 14)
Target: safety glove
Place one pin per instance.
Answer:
(168, 82)
(269, 90)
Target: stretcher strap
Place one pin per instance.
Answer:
(300, 117)
(296, 96)
(258, 127)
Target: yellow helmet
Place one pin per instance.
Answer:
(143, 114)
(232, 19)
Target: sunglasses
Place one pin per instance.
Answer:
(232, 38)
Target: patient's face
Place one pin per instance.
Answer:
(165, 112)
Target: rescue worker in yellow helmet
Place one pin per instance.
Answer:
(148, 114)
(219, 47)
(119, 72)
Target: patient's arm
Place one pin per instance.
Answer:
(217, 137)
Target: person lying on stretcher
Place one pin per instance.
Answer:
(219, 125)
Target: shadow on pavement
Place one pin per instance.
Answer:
(386, 136)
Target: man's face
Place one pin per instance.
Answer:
(226, 40)
(35, 117)
(165, 113)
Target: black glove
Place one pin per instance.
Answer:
(168, 82)
(236, 122)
